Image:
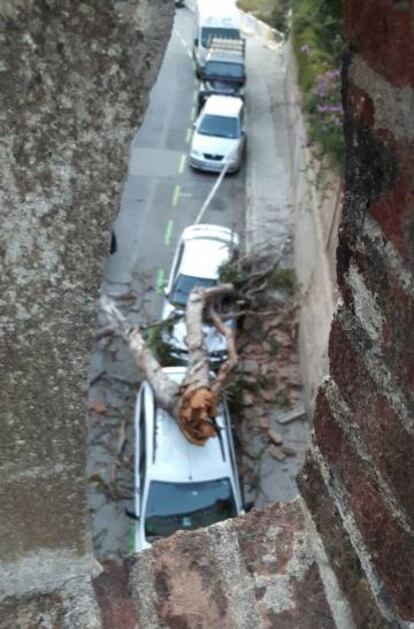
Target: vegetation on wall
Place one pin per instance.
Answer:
(315, 27)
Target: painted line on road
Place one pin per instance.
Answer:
(189, 53)
(160, 280)
(182, 164)
(176, 195)
(188, 135)
(193, 114)
(195, 98)
(168, 233)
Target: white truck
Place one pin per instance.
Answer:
(213, 18)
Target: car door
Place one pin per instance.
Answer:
(243, 128)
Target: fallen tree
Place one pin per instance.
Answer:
(193, 403)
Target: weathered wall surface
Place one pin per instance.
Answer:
(359, 478)
(317, 202)
(74, 83)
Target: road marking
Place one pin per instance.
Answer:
(188, 136)
(176, 195)
(189, 53)
(182, 164)
(193, 114)
(195, 98)
(168, 232)
(160, 280)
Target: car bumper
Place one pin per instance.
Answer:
(201, 163)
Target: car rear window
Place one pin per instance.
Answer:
(176, 506)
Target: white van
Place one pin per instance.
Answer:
(213, 18)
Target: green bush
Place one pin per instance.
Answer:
(316, 36)
(315, 27)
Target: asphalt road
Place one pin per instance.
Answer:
(161, 197)
(162, 194)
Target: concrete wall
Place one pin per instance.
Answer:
(358, 481)
(74, 83)
(317, 201)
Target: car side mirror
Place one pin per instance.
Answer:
(132, 515)
(165, 291)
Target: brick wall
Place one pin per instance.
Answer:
(359, 477)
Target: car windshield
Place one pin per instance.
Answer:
(224, 69)
(225, 33)
(219, 126)
(176, 506)
(184, 285)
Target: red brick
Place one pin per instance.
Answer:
(339, 548)
(382, 533)
(111, 588)
(395, 211)
(397, 309)
(362, 107)
(382, 32)
(382, 431)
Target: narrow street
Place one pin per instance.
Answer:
(161, 197)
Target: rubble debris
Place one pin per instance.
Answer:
(98, 406)
(276, 437)
(277, 453)
(288, 451)
(290, 416)
(263, 422)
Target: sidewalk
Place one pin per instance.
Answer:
(269, 197)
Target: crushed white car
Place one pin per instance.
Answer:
(201, 251)
(180, 486)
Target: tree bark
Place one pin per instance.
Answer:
(194, 402)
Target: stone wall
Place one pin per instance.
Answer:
(359, 478)
(74, 82)
(317, 204)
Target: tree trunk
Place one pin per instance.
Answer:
(193, 403)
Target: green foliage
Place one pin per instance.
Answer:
(317, 42)
(280, 15)
(282, 279)
(274, 345)
(234, 396)
(161, 350)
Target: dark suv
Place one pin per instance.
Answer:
(224, 72)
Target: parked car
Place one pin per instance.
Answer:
(180, 486)
(224, 72)
(201, 250)
(219, 134)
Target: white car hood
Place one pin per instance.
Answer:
(176, 337)
(214, 146)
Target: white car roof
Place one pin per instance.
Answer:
(207, 247)
(177, 460)
(222, 106)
